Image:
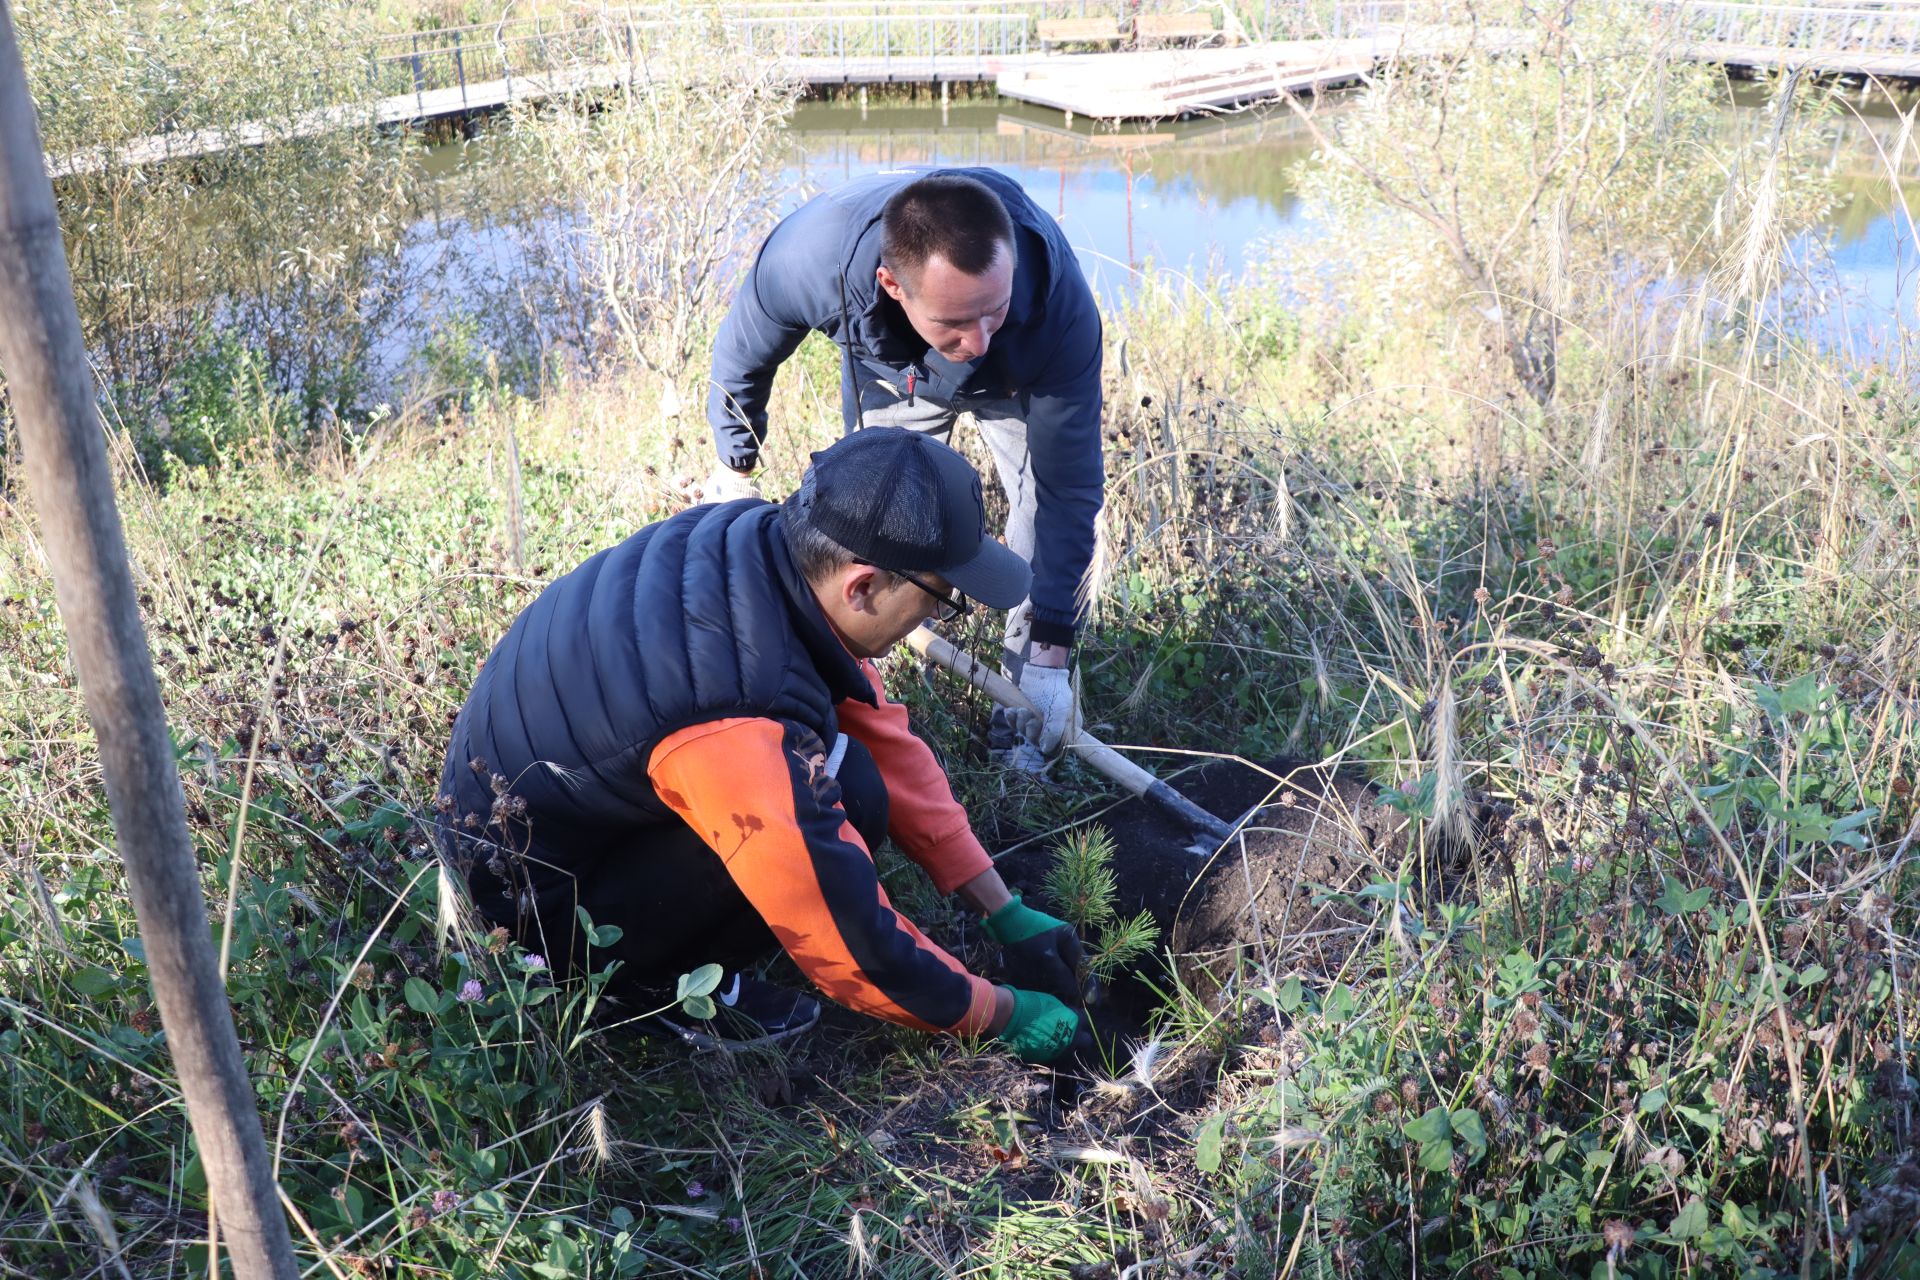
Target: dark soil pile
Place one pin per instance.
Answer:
(1251, 903)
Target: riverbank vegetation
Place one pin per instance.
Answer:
(1633, 648)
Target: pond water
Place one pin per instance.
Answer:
(1212, 195)
(1189, 196)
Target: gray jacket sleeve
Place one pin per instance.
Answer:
(791, 289)
(1063, 434)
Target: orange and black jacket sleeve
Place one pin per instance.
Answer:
(757, 791)
(923, 818)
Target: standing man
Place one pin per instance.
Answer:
(685, 739)
(948, 292)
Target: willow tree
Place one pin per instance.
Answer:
(1552, 169)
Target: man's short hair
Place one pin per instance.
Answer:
(948, 215)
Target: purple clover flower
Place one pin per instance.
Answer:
(471, 992)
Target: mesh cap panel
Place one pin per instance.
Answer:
(882, 495)
(904, 501)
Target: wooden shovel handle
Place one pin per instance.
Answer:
(940, 651)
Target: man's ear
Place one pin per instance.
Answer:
(890, 282)
(858, 586)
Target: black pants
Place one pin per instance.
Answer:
(670, 895)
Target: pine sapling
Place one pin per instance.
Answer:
(1082, 887)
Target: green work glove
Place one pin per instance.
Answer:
(1039, 951)
(1041, 1028)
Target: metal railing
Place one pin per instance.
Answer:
(1788, 27)
(1325, 19)
(941, 40)
(954, 39)
(457, 59)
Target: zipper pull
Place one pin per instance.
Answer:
(910, 382)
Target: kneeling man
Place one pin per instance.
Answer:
(686, 736)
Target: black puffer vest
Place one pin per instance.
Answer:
(703, 616)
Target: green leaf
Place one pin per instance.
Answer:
(421, 997)
(1467, 1126)
(563, 1252)
(1652, 1100)
(604, 935)
(1206, 1144)
(698, 1006)
(1518, 973)
(1435, 1126)
(93, 981)
(1691, 1222)
(1811, 974)
(621, 1217)
(1676, 900)
(193, 1178)
(1416, 803)
(1437, 1157)
(1385, 890)
(1804, 695)
(1848, 830)
(1854, 821)
(1289, 996)
(701, 982)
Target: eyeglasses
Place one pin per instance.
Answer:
(953, 604)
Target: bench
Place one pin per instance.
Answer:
(1168, 27)
(1055, 31)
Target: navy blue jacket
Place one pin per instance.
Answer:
(700, 631)
(816, 271)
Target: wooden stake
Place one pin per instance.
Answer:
(61, 436)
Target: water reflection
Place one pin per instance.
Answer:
(1185, 196)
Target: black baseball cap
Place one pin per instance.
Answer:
(901, 500)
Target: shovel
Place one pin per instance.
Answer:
(1137, 781)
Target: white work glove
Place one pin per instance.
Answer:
(1050, 690)
(724, 484)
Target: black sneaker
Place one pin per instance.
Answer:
(747, 1013)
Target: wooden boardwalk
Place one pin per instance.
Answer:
(1172, 83)
(1836, 62)
(425, 105)
(475, 70)
(1148, 85)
